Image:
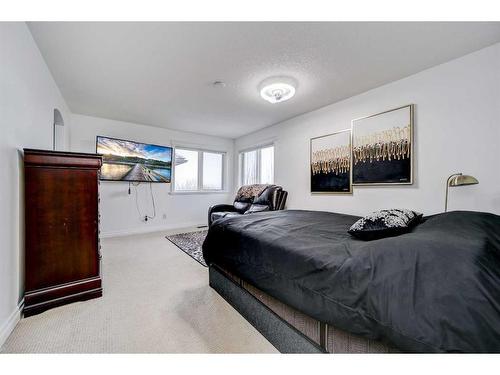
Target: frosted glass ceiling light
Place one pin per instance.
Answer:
(277, 92)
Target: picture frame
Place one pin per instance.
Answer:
(330, 163)
(382, 148)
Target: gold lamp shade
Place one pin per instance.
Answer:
(461, 180)
(458, 179)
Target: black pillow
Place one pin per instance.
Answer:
(266, 197)
(385, 223)
(241, 207)
(257, 208)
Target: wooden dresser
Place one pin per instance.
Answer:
(62, 258)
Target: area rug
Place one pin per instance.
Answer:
(190, 243)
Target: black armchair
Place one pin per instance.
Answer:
(250, 199)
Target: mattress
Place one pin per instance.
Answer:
(435, 289)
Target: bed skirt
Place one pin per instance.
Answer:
(288, 329)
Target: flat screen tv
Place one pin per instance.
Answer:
(132, 161)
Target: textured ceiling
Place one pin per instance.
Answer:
(161, 73)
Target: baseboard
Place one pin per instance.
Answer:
(147, 229)
(9, 325)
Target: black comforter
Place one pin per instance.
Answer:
(436, 289)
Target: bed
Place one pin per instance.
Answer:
(435, 289)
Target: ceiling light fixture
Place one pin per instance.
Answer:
(277, 92)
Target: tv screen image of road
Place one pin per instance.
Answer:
(132, 161)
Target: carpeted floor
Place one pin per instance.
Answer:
(191, 243)
(156, 299)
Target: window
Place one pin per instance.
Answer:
(249, 172)
(186, 170)
(266, 171)
(198, 170)
(257, 166)
(212, 171)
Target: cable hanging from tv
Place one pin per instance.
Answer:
(145, 216)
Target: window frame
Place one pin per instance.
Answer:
(200, 189)
(257, 148)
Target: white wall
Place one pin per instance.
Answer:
(28, 96)
(457, 129)
(119, 214)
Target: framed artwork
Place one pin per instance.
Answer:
(330, 163)
(382, 148)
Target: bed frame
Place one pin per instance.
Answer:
(289, 330)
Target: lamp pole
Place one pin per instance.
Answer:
(447, 187)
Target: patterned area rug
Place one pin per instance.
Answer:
(190, 243)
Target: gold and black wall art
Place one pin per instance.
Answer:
(330, 163)
(382, 148)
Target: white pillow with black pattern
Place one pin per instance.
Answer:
(385, 223)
